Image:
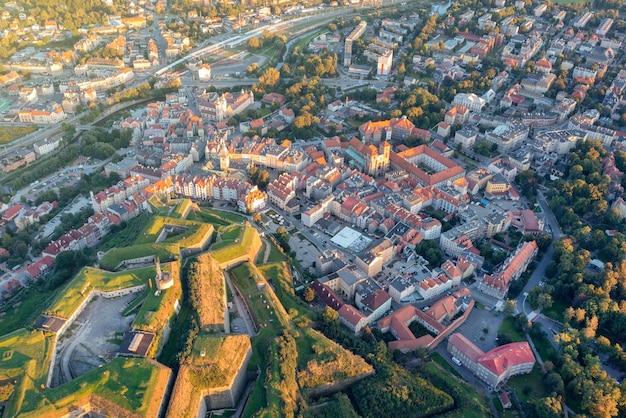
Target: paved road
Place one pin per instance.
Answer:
(549, 216)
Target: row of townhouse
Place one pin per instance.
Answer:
(118, 193)
(248, 197)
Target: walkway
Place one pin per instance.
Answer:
(242, 308)
(268, 250)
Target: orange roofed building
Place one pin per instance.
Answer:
(444, 169)
(393, 129)
(495, 366)
(370, 159)
(438, 319)
(498, 284)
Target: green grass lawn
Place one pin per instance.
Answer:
(469, 402)
(181, 208)
(556, 310)
(542, 343)
(437, 358)
(158, 206)
(265, 308)
(156, 311)
(257, 399)
(228, 236)
(529, 386)
(25, 356)
(24, 308)
(304, 41)
(261, 253)
(282, 280)
(232, 233)
(165, 252)
(238, 249)
(508, 328)
(275, 254)
(127, 382)
(226, 218)
(77, 290)
(126, 236)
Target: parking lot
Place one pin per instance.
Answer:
(305, 251)
(474, 328)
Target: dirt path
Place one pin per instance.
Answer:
(268, 250)
(241, 306)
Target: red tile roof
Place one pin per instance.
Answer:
(507, 356)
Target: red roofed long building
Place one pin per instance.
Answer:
(498, 285)
(495, 366)
(444, 168)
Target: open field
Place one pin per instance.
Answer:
(24, 308)
(275, 254)
(158, 206)
(25, 356)
(279, 276)
(216, 217)
(130, 384)
(265, 308)
(165, 253)
(144, 242)
(181, 208)
(214, 362)
(228, 237)
(88, 279)
(8, 134)
(248, 244)
(156, 224)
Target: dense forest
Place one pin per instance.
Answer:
(593, 300)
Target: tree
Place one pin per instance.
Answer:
(547, 408)
(270, 77)
(254, 43)
(509, 307)
(554, 383)
(522, 323)
(309, 294)
(544, 301)
(329, 316)
(257, 218)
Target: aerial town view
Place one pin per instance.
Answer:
(321, 208)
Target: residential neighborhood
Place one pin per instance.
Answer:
(435, 188)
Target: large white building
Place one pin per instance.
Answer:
(471, 101)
